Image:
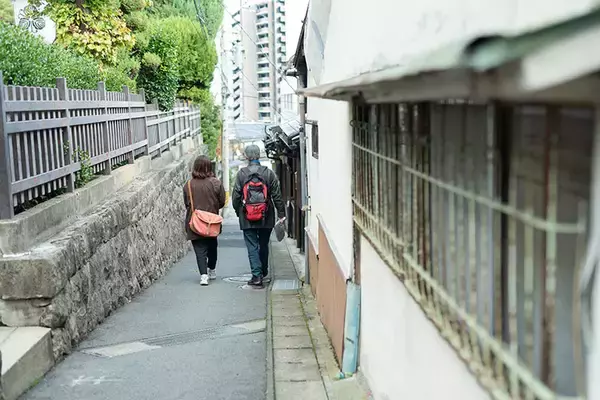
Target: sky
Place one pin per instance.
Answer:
(295, 11)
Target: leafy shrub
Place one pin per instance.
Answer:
(210, 116)
(7, 11)
(160, 82)
(26, 60)
(197, 55)
(129, 6)
(95, 28)
(151, 60)
(137, 21)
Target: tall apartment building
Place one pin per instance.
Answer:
(259, 55)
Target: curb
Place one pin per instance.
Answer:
(270, 394)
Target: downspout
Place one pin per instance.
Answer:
(303, 165)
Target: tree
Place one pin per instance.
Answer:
(159, 73)
(208, 12)
(89, 27)
(197, 55)
(7, 11)
(211, 121)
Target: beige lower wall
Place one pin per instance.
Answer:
(331, 294)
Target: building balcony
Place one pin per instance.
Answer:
(281, 30)
(264, 67)
(263, 38)
(262, 28)
(281, 10)
(262, 13)
(262, 49)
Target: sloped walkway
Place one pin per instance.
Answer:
(175, 341)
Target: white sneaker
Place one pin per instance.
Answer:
(212, 274)
(204, 280)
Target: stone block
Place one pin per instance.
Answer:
(298, 330)
(22, 312)
(313, 390)
(295, 356)
(289, 321)
(306, 370)
(292, 342)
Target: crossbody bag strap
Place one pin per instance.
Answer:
(191, 197)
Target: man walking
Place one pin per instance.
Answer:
(257, 199)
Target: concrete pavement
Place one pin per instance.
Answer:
(175, 341)
(180, 341)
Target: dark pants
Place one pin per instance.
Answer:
(206, 254)
(257, 243)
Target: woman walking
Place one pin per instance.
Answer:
(206, 193)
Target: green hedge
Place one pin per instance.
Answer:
(159, 72)
(27, 60)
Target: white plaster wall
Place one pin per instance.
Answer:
(402, 354)
(313, 190)
(330, 177)
(361, 39)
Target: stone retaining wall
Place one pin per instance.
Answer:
(73, 281)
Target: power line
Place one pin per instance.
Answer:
(255, 88)
(259, 45)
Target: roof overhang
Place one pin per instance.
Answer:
(555, 63)
(299, 54)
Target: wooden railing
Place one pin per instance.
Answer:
(47, 133)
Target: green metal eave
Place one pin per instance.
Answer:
(463, 59)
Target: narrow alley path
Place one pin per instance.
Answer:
(175, 341)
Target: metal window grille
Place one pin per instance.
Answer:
(481, 211)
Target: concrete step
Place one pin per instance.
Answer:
(26, 357)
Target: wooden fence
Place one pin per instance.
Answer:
(47, 133)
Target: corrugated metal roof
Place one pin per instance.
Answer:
(463, 59)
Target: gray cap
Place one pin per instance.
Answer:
(252, 152)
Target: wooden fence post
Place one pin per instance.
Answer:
(129, 123)
(6, 199)
(159, 126)
(105, 138)
(147, 148)
(63, 95)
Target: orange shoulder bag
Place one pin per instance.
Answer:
(203, 223)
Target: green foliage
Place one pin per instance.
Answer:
(210, 121)
(151, 60)
(129, 6)
(210, 12)
(160, 81)
(137, 21)
(125, 72)
(86, 174)
(7, 11)
(93, 28)
(26, 60)
(197, 55)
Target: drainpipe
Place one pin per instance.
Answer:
(303, 165)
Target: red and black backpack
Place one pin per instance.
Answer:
(255, 197)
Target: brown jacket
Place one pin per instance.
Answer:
(208, 195)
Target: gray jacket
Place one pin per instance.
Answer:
(275, 204)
